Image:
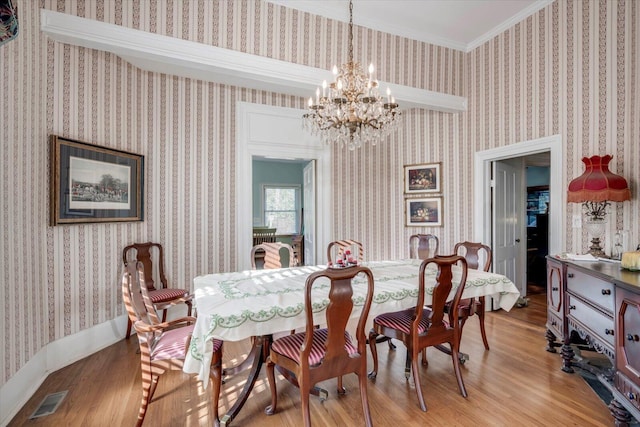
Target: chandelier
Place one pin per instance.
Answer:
(350, 111)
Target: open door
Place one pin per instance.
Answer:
(308, 211)
(508, 228)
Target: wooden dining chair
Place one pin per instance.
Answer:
(421, 327)
(477, 256)
(337, 250)
(151, 255)
(272, 255)
(319, 354)
(423, 246)
(163, 345)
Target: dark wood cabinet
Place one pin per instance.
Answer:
(598, 303)
(627, 377)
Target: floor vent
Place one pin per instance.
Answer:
(49, 404)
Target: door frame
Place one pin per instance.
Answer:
(557, 197)
(276, 132)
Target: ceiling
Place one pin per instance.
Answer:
(457, 24)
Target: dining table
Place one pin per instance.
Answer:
(257, 304)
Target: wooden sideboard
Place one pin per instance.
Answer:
(597, 304)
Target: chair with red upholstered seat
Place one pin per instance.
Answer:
(477, 255)
(163, 346)
(319, 354)
(421, 327)
(160, 293)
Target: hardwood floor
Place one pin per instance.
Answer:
(517, 382)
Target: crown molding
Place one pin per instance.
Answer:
(524, 14)
(170, 55)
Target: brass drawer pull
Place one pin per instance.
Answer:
(555, 288)
(631, 337)
(570, 275)
(606, 292)
(572, 307)
(608, 331)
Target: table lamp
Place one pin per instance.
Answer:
(595, 188)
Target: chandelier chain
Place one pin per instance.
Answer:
(350, 31)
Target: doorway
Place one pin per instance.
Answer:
(283, 196)
(268, 131)
(483, 202)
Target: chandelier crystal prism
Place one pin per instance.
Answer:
(350, 111)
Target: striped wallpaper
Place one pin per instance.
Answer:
(571, 69)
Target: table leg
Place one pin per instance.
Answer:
(462, 357)
(255, 360)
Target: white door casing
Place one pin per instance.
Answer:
(276, 132)
(507, 242)
(557, 195)
(308, 215)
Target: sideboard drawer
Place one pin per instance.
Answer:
(596, 291)
(599, 323)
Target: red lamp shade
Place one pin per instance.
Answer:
(598, 183)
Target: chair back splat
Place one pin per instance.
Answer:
(271, 254)
(318, 354)
(423, 246)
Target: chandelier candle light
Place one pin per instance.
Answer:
(350, 111)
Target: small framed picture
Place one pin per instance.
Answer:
(94, 184)
(424, 212)
(422, 178)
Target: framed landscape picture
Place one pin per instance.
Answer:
(422, 178)
(90, 183)
(424, 212)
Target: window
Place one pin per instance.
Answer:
(281, 207)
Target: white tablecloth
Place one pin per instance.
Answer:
(239, 305)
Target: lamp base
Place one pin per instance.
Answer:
(595, 248)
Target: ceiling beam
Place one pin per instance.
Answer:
(184, 58)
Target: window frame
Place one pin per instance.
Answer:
(297, 209)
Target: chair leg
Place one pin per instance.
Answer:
(271, 409)
(364, 397)
(341, 389)
(407, 366)
(305, 388)
(374, 353)
(456, 369)
(480, 312)
(128, 333)
(149, 383)
(416, 380)
(425, 361)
